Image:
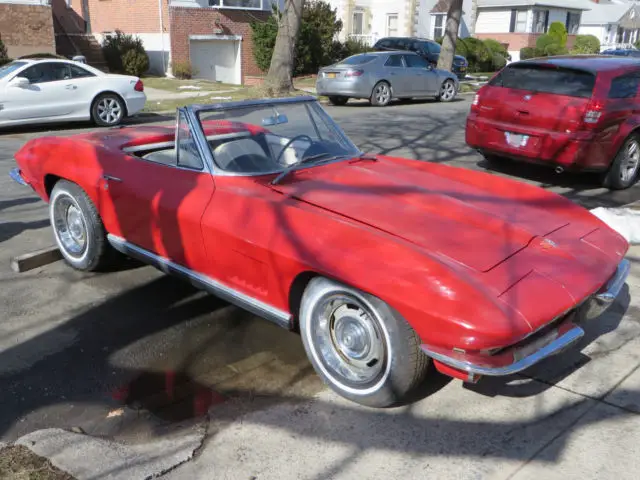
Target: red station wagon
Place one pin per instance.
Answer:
(575, 113)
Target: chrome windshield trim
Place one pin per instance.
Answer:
(548, 350)
(264, 310)
(14, 173)
(614, 285)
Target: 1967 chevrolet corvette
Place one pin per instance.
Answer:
(383, 264)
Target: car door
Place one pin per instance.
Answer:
(396, 71)
(46, 97)
(84, 85)
(422, 79)
(157, 201)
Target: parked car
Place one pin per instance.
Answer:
(382, 264)
(574, 113)
(384, 76)
(34, 91)
(623, 52)
(428, 49)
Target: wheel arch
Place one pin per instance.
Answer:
(105, 92)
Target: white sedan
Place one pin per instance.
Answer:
(46, 90)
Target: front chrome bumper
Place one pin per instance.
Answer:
(537, 347)
(17, 177)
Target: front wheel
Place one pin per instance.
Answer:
(625, 167)
(360, 347)
(77, 227)
(108, 110)
(447, 91)
(381, 95)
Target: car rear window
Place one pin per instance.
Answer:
(555, 80)
(358, 60)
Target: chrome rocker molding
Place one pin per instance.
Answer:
(203, 282)
(599, 303)
(15, 175)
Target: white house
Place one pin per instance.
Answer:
(519, 23)
(369, 20)
(432, 18)
(615, 23)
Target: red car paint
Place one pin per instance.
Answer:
(581, 132)
(461, 255)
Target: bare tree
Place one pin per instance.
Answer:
(279, 79)
(445, 59)
(473, 18)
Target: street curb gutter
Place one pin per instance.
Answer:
(39, 258)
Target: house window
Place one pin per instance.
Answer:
(573, 23)
(392, 25)
(238, 4)
(357, 27)
(540, 21)
(438, 26)
(518, 21)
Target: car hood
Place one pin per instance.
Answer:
(467, 218)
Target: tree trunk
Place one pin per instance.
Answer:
(279, 79)
(473, 18)
(445, 59)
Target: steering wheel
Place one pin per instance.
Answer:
(288, 144)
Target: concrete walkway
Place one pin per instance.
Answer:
(156, 94)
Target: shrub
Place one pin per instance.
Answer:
(558, 32)
(555, 49)
(315, 47)
(586, 44)
(114, 48)
(135, 62)
(527, 52)
(182, 70)
(4, 56)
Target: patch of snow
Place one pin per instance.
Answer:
(219, 98)
(189, 87)
(625, 221)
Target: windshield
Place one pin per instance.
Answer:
(268, 138)
(10, 67)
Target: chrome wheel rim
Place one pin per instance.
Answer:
(631, 161)
(109, 110)
(70, 226)
(349, 340)
(447, 91)
(382, 94)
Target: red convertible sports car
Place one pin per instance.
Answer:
(384, 265)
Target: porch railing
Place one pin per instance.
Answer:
(366, 39)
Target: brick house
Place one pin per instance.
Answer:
(26, 26)
(214, 36)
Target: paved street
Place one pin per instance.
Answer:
(138, 358)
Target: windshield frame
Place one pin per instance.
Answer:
(195, 111)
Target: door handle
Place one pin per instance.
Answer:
(113, 179)
(70, 87)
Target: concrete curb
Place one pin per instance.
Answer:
(39, 258)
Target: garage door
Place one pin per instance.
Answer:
(216, 60)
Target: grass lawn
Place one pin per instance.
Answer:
(305, 82)
(173, 84)
(241, 93)
(20, 463)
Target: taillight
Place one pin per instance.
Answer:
(353, 73)
(593, 113)
(139, 87)
(476, 103)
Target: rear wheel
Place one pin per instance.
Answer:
(338, 101)
(77, 227)
(447, 91)
(625, 167)
(381, 95)
(358, 345)
(108, 110)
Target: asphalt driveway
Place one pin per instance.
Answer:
(169, 373)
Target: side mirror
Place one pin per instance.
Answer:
(19, 82)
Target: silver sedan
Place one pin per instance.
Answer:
(384, 76)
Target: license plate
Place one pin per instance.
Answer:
(330, 75)
(535, 345)
(516, 140)
(463, 69)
